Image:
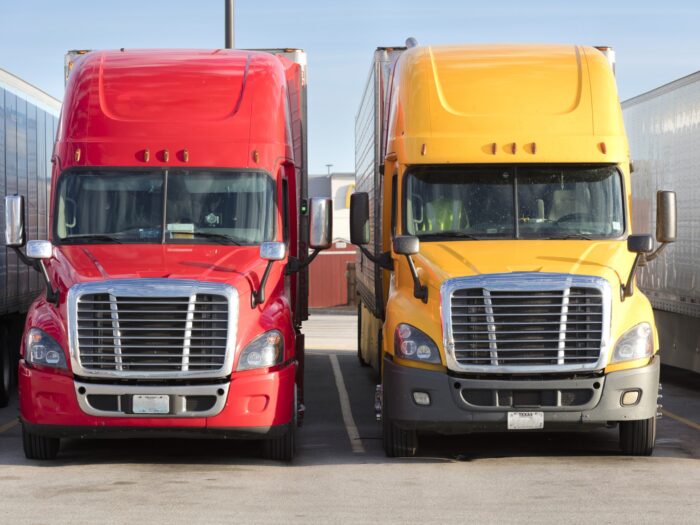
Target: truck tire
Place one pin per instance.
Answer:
(39, 447)
(359, 336)
(5, 367)
(398, 443)
(281, 448)
(637, 438)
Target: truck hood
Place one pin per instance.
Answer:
(439, 261)
(96, 262)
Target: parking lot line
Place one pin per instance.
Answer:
(8, 426)
(350, 427)
(681, 419)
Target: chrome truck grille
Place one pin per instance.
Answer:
(524, 323)
(152, 328)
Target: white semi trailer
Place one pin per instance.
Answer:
(663, 127)
(28, 121)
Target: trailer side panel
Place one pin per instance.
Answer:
(664, 130)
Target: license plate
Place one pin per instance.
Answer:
(525, 420)
(150, 404)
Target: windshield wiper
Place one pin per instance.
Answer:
(212, 235)
(449, 235)
(91, 237)
(570, 236)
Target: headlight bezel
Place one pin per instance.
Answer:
(411, 342)
(636, 343)
(269, 352)
(40, 349)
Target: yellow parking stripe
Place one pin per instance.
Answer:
(680, 419)
(8, 426)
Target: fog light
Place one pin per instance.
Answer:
(421, 398)
(630, 398)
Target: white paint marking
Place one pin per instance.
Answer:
(350, 426)
(8, 426)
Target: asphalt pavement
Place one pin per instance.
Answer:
(340, 473)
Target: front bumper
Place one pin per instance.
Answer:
(461, 405)
(250, 404)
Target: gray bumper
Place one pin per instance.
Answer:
(450, 410)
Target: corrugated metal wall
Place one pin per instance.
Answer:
(26, 142)
(328, 286)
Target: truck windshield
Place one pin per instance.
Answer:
(562, 202)
(201, 207)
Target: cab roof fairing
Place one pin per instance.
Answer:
(220, 105)
(455, 102)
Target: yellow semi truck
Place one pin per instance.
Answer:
(497, 263)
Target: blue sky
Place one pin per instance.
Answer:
(656, 42)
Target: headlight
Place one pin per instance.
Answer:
(265, 350)
(42, 349)
(411, 343)
(636, 343)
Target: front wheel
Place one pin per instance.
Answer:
(398, 443)
(39, 447)
(637, 438)
(282, 448)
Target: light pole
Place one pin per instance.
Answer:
(329, 166)
(229, 24)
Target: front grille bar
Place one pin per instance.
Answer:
(491, 327)
(114, 313)
(188, 334)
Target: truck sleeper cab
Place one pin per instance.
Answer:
(497, 261)
(175, 270)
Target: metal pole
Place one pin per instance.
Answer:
(329, 166)
(229, 24)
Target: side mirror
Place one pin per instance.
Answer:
(39, 250)
(270, 251)
(666, 216)
(640, 243)
(14, 221)
(410, 245)
(359, 218)
(320, 223)
(406, 245)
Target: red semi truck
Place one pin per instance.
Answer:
(175, 268)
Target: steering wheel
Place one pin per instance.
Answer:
(571, 217)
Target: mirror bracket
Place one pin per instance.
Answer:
(420, 291)
(258, 296)
(52, 296)
(384, 260)
(627, 289)
(32, 263)
(295, 264)
(641, 260)
(654, 254)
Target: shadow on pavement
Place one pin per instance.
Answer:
(323, 439)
